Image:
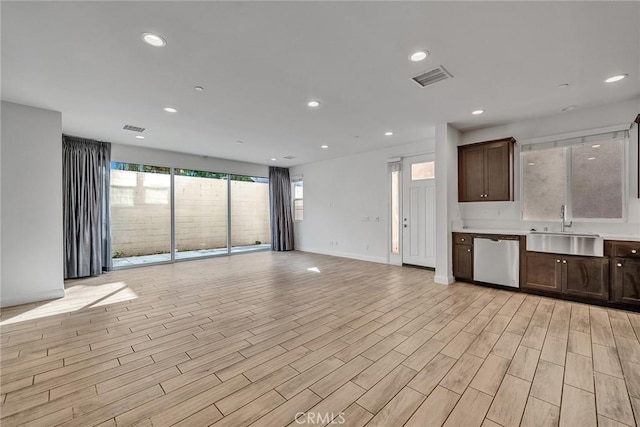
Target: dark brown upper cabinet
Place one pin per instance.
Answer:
(485, 171)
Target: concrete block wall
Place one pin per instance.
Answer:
(141, 208)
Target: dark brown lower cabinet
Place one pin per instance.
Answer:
(625, 281)
(585, 277)
(463, 261)
(543, 272)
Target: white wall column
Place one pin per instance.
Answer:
(32, 236)
(447, 139)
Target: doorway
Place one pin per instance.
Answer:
(419, 210)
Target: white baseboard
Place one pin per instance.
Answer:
(26, 299)
(443, 280)
(379, 260)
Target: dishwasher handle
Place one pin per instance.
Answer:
(496, 238)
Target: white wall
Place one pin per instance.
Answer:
(447, 139)
(339, 194)
(506, 215)
(31, 221)
(148, 156)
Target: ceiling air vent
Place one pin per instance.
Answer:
(133, 128)
(433, 76)
(289, 157)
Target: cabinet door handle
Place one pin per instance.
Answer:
(564, 261)
(634, 251)
(619, 264)
(468, 250)
(462, 240)
(557, 260)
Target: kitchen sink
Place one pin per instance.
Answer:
(565, 242)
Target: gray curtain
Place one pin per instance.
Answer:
(280, 208)
(85, 177)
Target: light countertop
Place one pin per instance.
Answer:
(491, 231)
(525, 232)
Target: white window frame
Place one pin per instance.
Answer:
(574, 139)
(294, 180)
(394, 165)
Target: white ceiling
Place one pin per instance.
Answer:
(260, 62)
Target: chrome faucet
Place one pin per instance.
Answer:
(563, 217)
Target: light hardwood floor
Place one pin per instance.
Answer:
(258, 338)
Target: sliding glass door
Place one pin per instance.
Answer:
(140, 214)
(159, 214)
(201, 213)
(249, 213)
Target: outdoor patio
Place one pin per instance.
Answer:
(157, 258)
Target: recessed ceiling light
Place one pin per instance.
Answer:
(616, 78)
(154, 40)
(313, 104)
(324, 146)
(595, 146)
(476, 112)
(170, 110)
(418, 56)
(569, 108)
(563, 85)
(198, 89)
(531, 164)
(591, 158)
(139, 136)
(273, 159)
(239, 142)
(388, 133)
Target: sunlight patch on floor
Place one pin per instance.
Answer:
(76, 298)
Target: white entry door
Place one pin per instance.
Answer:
(419, 211)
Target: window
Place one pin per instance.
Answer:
(140, 214)
(421, 171)
(201, 213)
(544, 176)
(249, 213)
(161, 214)
(298, 188)
(394, 169)
(586, 175)
(596, 170)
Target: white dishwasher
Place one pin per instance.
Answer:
(496, 260)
